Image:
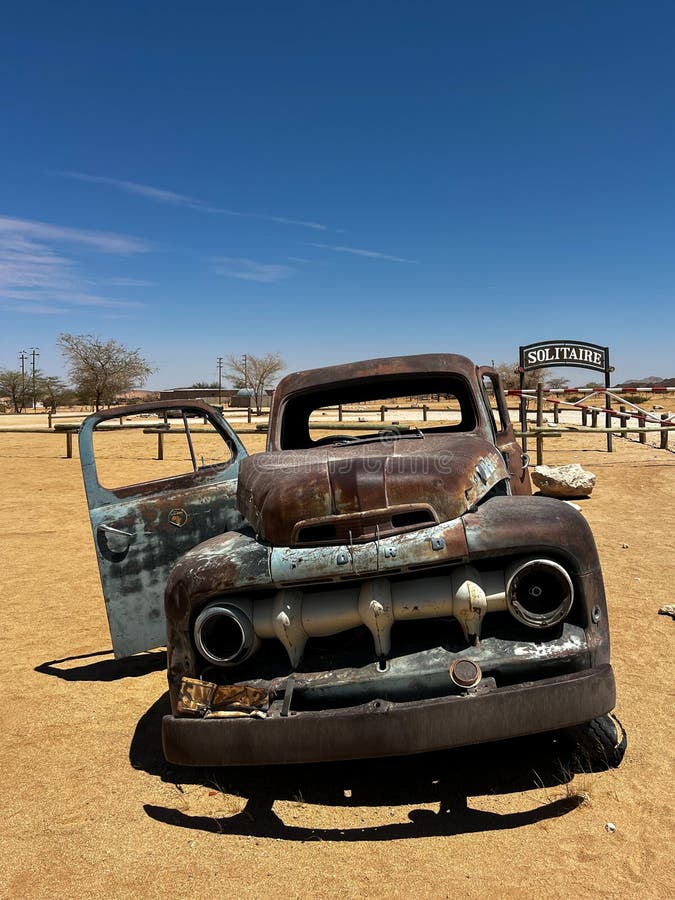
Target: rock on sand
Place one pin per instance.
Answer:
(563, 481)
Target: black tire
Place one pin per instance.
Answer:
(599, 744)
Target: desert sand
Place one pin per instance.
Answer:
(91, 809)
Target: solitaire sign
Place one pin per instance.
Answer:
(551, 354)
(564, 353)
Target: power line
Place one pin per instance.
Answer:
(23, 356)
(34, 353)
(220, 381)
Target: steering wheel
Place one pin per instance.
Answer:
(334, 439)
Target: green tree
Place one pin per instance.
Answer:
(54, 392)
(101, 370)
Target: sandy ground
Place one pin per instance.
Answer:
(90, 809)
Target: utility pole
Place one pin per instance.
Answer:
(23, 356)
(34, 353)
(220, 381)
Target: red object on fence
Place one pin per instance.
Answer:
(515, 392)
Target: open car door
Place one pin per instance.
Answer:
(177, 463)
(505, 440)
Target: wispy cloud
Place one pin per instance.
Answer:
(358, 251)
(160, 195)
(250, 269)
(28, 264)
(34, 309)
(129, 282)
(142, 190)
(37, 278)
(74, 298)
(104, 241)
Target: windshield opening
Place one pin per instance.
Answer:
(389, 405)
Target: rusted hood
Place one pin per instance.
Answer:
(334, 494)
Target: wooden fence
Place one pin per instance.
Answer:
(539, 431)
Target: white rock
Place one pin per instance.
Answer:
(668, 610)
(563, 481)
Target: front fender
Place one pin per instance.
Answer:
(213, 567)
(507, 526)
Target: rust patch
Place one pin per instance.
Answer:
(357, 491)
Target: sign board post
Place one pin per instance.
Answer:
(551, 354)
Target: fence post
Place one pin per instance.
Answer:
(49, 419)
(383, 410)
(641, 424)
(69, 444)
(249, 414)
(664, 433)
(594, 418)
(160, 445)
(425, 411)
(556, 412)
(540, 423)
(339, 412)
(623, 416)
(584, 417)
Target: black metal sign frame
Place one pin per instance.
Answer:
(553, 354)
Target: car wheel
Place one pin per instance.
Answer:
(599, 744)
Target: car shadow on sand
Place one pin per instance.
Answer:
(446, 779)
(103, 669)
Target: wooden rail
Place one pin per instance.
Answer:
(538, 432)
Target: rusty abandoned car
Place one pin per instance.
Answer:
(376, 591)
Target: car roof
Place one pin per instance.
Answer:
(421, 364)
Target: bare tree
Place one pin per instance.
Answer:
(508, 372)
(101, 370)
(510, 377)
(255, 372)
(556, 381)
(13, 386)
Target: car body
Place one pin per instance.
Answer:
(377, 590)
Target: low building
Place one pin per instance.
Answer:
(211, 395)
(242, 398)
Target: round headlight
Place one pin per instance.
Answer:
(539, 592)
(224, 634)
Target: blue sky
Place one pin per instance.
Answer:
(335, 181)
